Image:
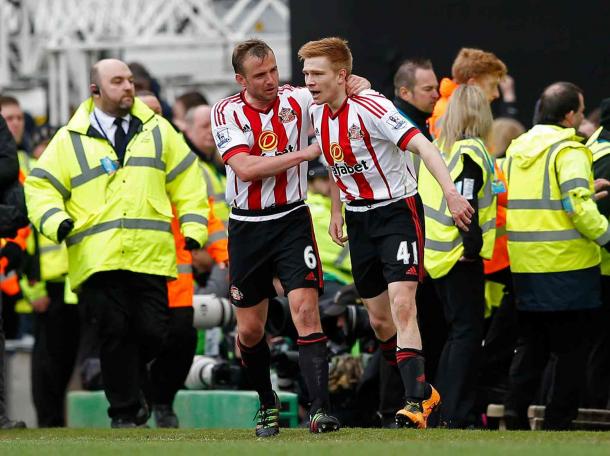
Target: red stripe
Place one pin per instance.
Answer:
(315, 247)
(220, 106)
(369, 109)
(365, 102)
(324, 133)
(420, 236)
(391, 345)
(299, 113)
(255, 187)
(369, 146)
(373, 102)
(403, 356)
(240, 148)
(308, 342)
(364, 189)
(237, 120)
(403, 142)
(281, 179)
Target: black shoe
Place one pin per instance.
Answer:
(165, 417)
(323, 422)
(143, 414)
(6, 424)
(268, 423)
(123, 423)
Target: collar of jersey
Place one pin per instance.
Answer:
(267, 108)
(341, 108)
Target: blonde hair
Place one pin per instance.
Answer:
(468, 116)
(334, 48)
(474, 63)
(503, 131)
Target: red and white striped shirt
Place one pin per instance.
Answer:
(282, 128)
(363, 144)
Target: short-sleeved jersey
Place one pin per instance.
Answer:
(282, 128)
(363, 144)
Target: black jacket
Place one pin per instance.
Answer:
(9, 164)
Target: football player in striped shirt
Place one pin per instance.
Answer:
(261, 134)
(364, 141)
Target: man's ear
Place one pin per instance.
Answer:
(240, 80)
(569, 118)
(404, 93)
(342, 75)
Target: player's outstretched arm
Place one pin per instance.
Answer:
(460, 209)
(335, 229)
(252, 167)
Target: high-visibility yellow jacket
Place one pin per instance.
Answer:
(444, 245)
(122, 219)
(335, 259)
(600, 148)
(552, 221)
(216, 185)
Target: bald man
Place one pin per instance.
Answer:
(106, 184)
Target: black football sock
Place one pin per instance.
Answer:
(313, 362)
(388, 349)
(257, 361)
(411, 366)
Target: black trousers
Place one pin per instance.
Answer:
(168, 372)
(598, 363)
(130, 316)
(462, 292)
(56, 337)
(555, 337)
(432, 326)
(2, 358)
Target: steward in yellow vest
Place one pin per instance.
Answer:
(555, 232)
(122, 217)
(106, 184)
(445, 243)
(454, 257)
(598, 367)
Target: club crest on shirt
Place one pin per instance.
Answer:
(222, 137)
(395, 120)
(287, 115)
(267, 140)
(336, 152)
(355, 133)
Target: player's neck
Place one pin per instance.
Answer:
(256, 103)
(336, 103)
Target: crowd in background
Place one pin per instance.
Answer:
(470, 355)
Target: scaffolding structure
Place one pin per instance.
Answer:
(52, 43)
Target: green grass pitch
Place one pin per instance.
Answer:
(294, 442)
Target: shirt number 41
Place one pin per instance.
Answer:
(404, 255)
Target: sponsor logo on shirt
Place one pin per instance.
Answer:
(246, 128)
(267, 141)
(287, 115)
(341, 169)
(222, 137)
(355, 133)
(396, 121)
(336, 152)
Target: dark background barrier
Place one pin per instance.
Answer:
(540, 41)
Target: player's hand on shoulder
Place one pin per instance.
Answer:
(335, 229)
(356, 84)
